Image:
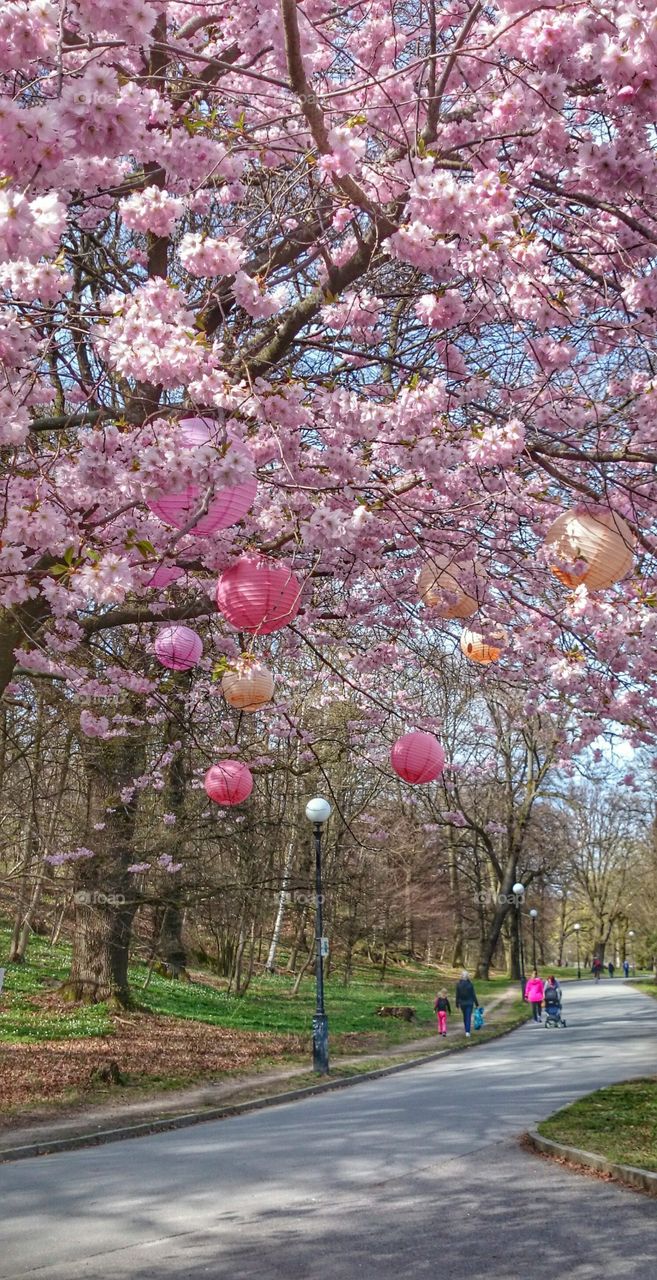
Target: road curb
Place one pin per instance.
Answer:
(639, 1179)
(99, 1137)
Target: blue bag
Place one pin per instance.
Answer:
(478, 1019)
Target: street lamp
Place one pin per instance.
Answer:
(631, 935)
(318, 811)
(577, 928)
(533, 914)
(519, 893)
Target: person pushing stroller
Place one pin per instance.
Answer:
(552, 1003)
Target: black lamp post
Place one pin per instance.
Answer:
(533, 914)
(519, 893)
(318, 811)
(579, 969)
(632, 958)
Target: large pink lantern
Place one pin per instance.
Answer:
(225, 508)
(178, 648)
(417, 757)
(229, 782)
(258, 595)
(164, 575)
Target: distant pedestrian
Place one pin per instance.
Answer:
(610, 967)
(596, 968)
(466, 1000)
(626, 968)
(534, 994)
(443, 1007)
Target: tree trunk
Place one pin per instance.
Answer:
(455, 894)
(288, 863)
(105, 897)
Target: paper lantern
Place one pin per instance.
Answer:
(439, 585)
(225, 508)
(195, 432)
(483, 648)
(258, 595)
(600, 540)
(249, 687)
(178, 648)
(229, 782)
(164, 575)
(417, 757)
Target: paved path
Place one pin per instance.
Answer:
(412, 1176)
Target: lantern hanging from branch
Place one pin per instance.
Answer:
(440, 586)
(164, 575)
(228, 783)
(417, 757)
(178, 648)
(483, 648)
(248, 687)
(224, 507)
(258, 595)
(590, 548)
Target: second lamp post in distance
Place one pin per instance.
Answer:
(318, 811)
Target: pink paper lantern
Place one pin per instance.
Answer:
(195, 432)
(417, 757)
(258, 595)
(164, 575)
(229, 782)
(224, 509)
(178, 648)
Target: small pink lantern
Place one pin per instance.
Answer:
(439, 585)
(591, 548)
(483, 648)
(229, 782)
(248, 687)
(164, 575)
(224, 509)
(178, 648)
(417, 757)
(258, 595)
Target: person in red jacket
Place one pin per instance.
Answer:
(534, 994)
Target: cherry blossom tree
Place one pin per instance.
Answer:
(402, 259)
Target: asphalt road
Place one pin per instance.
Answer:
(415, 1175)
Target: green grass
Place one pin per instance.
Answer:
(266, 1006)
(21, 1019)
(619, 1123)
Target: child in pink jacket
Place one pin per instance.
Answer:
(534, 992)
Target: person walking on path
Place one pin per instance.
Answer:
(596, 968)
(610, 967)
(443, 1007)
(466, 1000)
(626, 968)
(534, 994)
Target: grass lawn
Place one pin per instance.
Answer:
(31, 1011)
(619, 1123)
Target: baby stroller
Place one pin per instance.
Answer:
(552, 1001)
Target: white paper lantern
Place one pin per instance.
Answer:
(483, 648)
(439, 584)
(591, 548)
(248, 687)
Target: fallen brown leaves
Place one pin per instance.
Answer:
(145, 1047)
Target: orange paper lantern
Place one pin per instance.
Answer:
(248, 687)
(483, 648)
(591, 548)
(439, 585)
